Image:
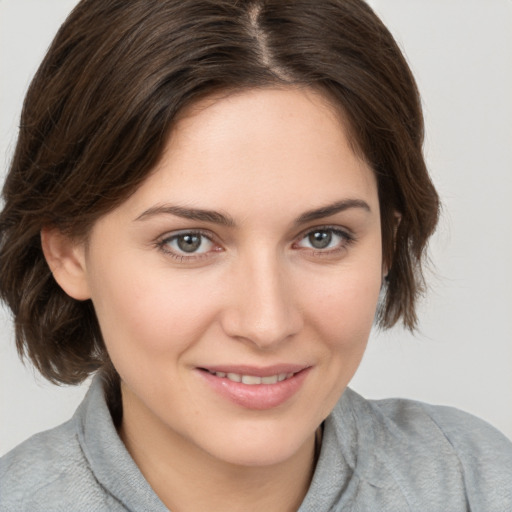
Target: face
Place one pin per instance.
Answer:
(237, 287)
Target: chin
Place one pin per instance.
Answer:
(258, 456)
(263, 446)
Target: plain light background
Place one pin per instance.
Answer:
(461, 54)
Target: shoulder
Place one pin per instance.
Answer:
(48, 472)
(471, 438)
(42, 461)
(484, 453)
(444, 442)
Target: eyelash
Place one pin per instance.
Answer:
(347, 239)
(163, 245)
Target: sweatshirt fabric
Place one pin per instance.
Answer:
(376, 455)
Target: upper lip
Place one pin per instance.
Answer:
(256, 371)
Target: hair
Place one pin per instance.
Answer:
(100, 109)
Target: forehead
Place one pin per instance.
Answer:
(268, 146)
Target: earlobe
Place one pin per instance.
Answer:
(66, 259)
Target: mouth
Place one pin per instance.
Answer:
(252, 380)
(256, 388)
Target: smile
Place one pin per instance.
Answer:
(256, 388)
(252, 380)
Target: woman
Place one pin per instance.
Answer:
(209, 204)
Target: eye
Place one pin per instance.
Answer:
(320, 239)
(187, 243)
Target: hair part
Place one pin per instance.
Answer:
(102, 105)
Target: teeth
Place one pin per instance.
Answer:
(252, 380)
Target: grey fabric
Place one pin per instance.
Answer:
(387, 455)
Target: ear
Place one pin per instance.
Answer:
(66, 259)
(397, 218)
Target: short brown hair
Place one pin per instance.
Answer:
(100, 108)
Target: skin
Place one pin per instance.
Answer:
(256, 292)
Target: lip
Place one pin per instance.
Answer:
(256, 396)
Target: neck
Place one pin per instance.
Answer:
(188, 479)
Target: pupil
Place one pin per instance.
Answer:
(320, 239)
(189, 243)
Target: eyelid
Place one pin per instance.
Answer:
(187, 231)
(346, 234)
(335, 229)
(163, 241)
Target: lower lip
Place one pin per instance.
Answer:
(257, 396)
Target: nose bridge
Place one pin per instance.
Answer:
(263, 308)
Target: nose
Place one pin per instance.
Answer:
(262, 308)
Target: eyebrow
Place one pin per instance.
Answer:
(332, 209)
(189, 213)
(223, 219)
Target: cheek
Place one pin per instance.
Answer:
(341, 315)
(343, 318)
(145, 312)
(345, 304)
